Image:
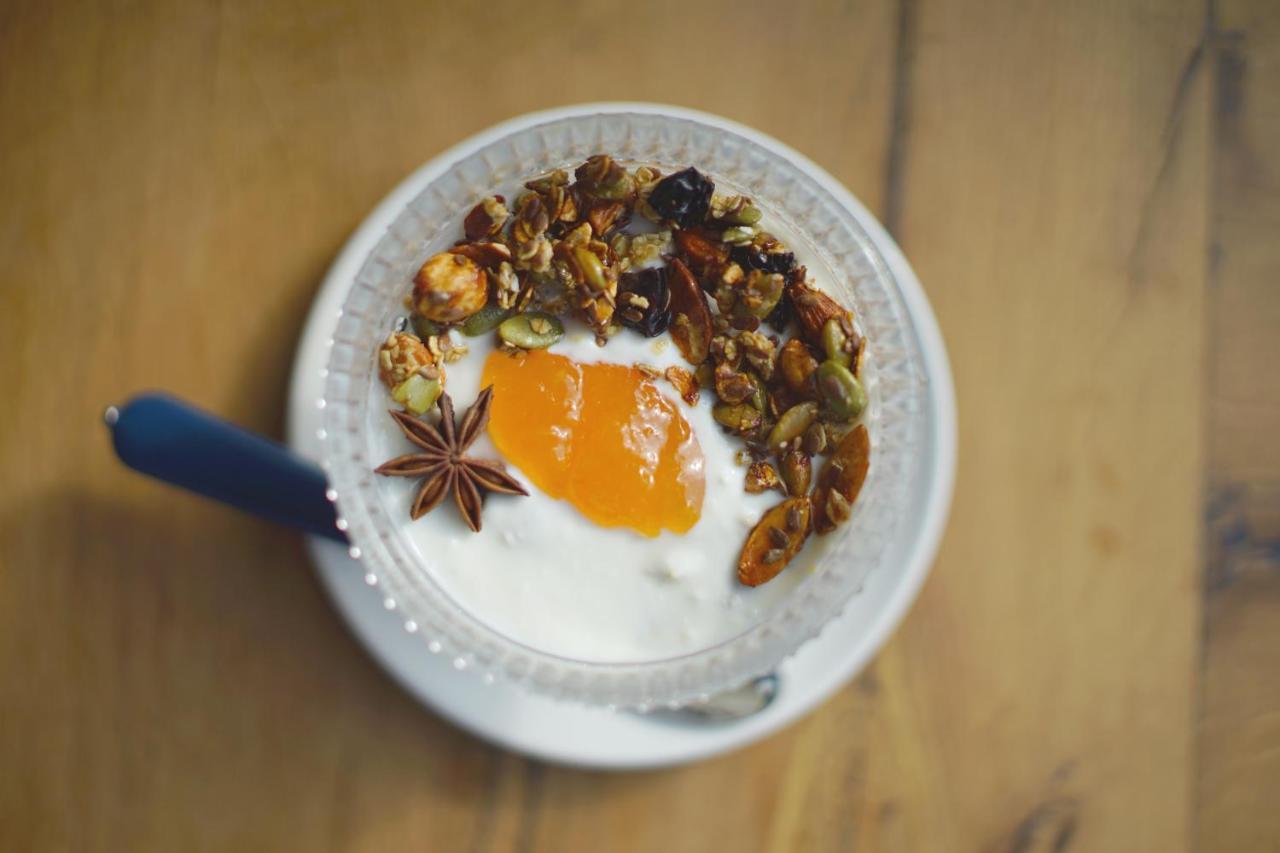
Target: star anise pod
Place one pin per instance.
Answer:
(442, 465)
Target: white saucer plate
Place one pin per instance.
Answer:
(573, 734)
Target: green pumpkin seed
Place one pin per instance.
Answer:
(793, 422)
(534, 330)
(759, 397)
(748, 214)
(843, 396)
(485, 320)
(741, 418)
(417, 393)
(834, 342)
(424, 328)
(738, 236)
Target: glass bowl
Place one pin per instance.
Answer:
(907, 489)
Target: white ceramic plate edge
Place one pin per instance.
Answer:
(595, 737)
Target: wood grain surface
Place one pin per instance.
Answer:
(1090, 192)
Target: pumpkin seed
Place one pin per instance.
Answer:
(522, 330)
(835, 342)
(748, 214)
(485, 320)
(741, 418)
(796, 470)
(424, 328)
(843, 396)
(793, 422)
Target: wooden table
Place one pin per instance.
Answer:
(1090, 192)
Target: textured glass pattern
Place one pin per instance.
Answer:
(852, 267)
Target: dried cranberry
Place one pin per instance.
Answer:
(751, 257)
(651, 284)
(683, 197)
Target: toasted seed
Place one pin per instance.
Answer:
(843, 397)
(519, 331)
(778, 537)
(747, 214)
(741, 418)
(424, 328)
(835, 343)
(844, 473)
(796, 470)
(793, 422)
(761, 557)
(485, 320)
(838, 507)
(814, 440)
(592, 269)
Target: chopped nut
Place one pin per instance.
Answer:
(534, 254)
(647, 370)
(761, 477)
(685, 383)
(487, 253)
(506, 286)
(603, 177)
(798, 366)
(760, 352)
(449, 287)
(401, 356)
(813, 309)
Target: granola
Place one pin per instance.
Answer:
(613, 246)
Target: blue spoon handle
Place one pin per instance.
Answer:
(175, 442)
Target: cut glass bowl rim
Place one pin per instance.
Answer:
(448, 629)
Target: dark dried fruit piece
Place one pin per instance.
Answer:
(644, 301)
(486, 218)
(762, 558)
(841, 479)
(752, 257)
(683, 197)
(690, 319)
